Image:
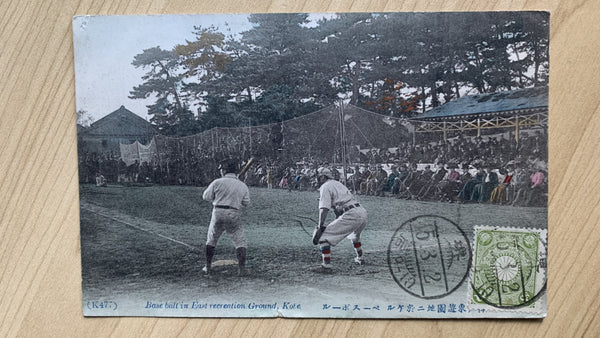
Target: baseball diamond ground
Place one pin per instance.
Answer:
(143, 249)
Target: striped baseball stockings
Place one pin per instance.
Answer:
(326, 253)
(358, 249)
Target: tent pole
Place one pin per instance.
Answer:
(517, 129)
(343, 142)
(444, 129)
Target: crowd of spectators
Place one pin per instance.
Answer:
(519, 182)
(490, 169)
(494, 150)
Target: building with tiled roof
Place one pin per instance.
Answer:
(120, 126)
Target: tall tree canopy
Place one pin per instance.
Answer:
(396, 64)
(163, 81)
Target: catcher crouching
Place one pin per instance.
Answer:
(350, 221)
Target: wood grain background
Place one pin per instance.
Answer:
(40, 290)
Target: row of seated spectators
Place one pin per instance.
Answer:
(497, 148)
(517, 183)
(465, 183)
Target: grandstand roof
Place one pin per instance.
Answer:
(121, 122)
(522, 101)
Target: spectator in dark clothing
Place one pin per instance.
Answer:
(466, 194)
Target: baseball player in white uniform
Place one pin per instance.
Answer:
(351, 218)
(227, 194)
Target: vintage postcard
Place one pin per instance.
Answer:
(333, 165)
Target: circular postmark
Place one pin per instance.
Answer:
(429, 256)
(509, 267)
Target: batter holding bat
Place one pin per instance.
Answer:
(351, 218)
(227, 194)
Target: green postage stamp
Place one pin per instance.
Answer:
(509, 269)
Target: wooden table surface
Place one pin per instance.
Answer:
(40, 273)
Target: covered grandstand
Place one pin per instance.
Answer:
(500, 111)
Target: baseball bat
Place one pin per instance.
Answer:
(246, 167)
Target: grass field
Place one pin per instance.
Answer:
(142, 244)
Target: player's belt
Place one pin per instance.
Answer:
(224, 207)
(352, 206)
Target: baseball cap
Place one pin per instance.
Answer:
(325, 172)
(229, 166)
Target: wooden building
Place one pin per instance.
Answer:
(120, 126)
(472, 114)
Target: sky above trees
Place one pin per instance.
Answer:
(105, 46)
